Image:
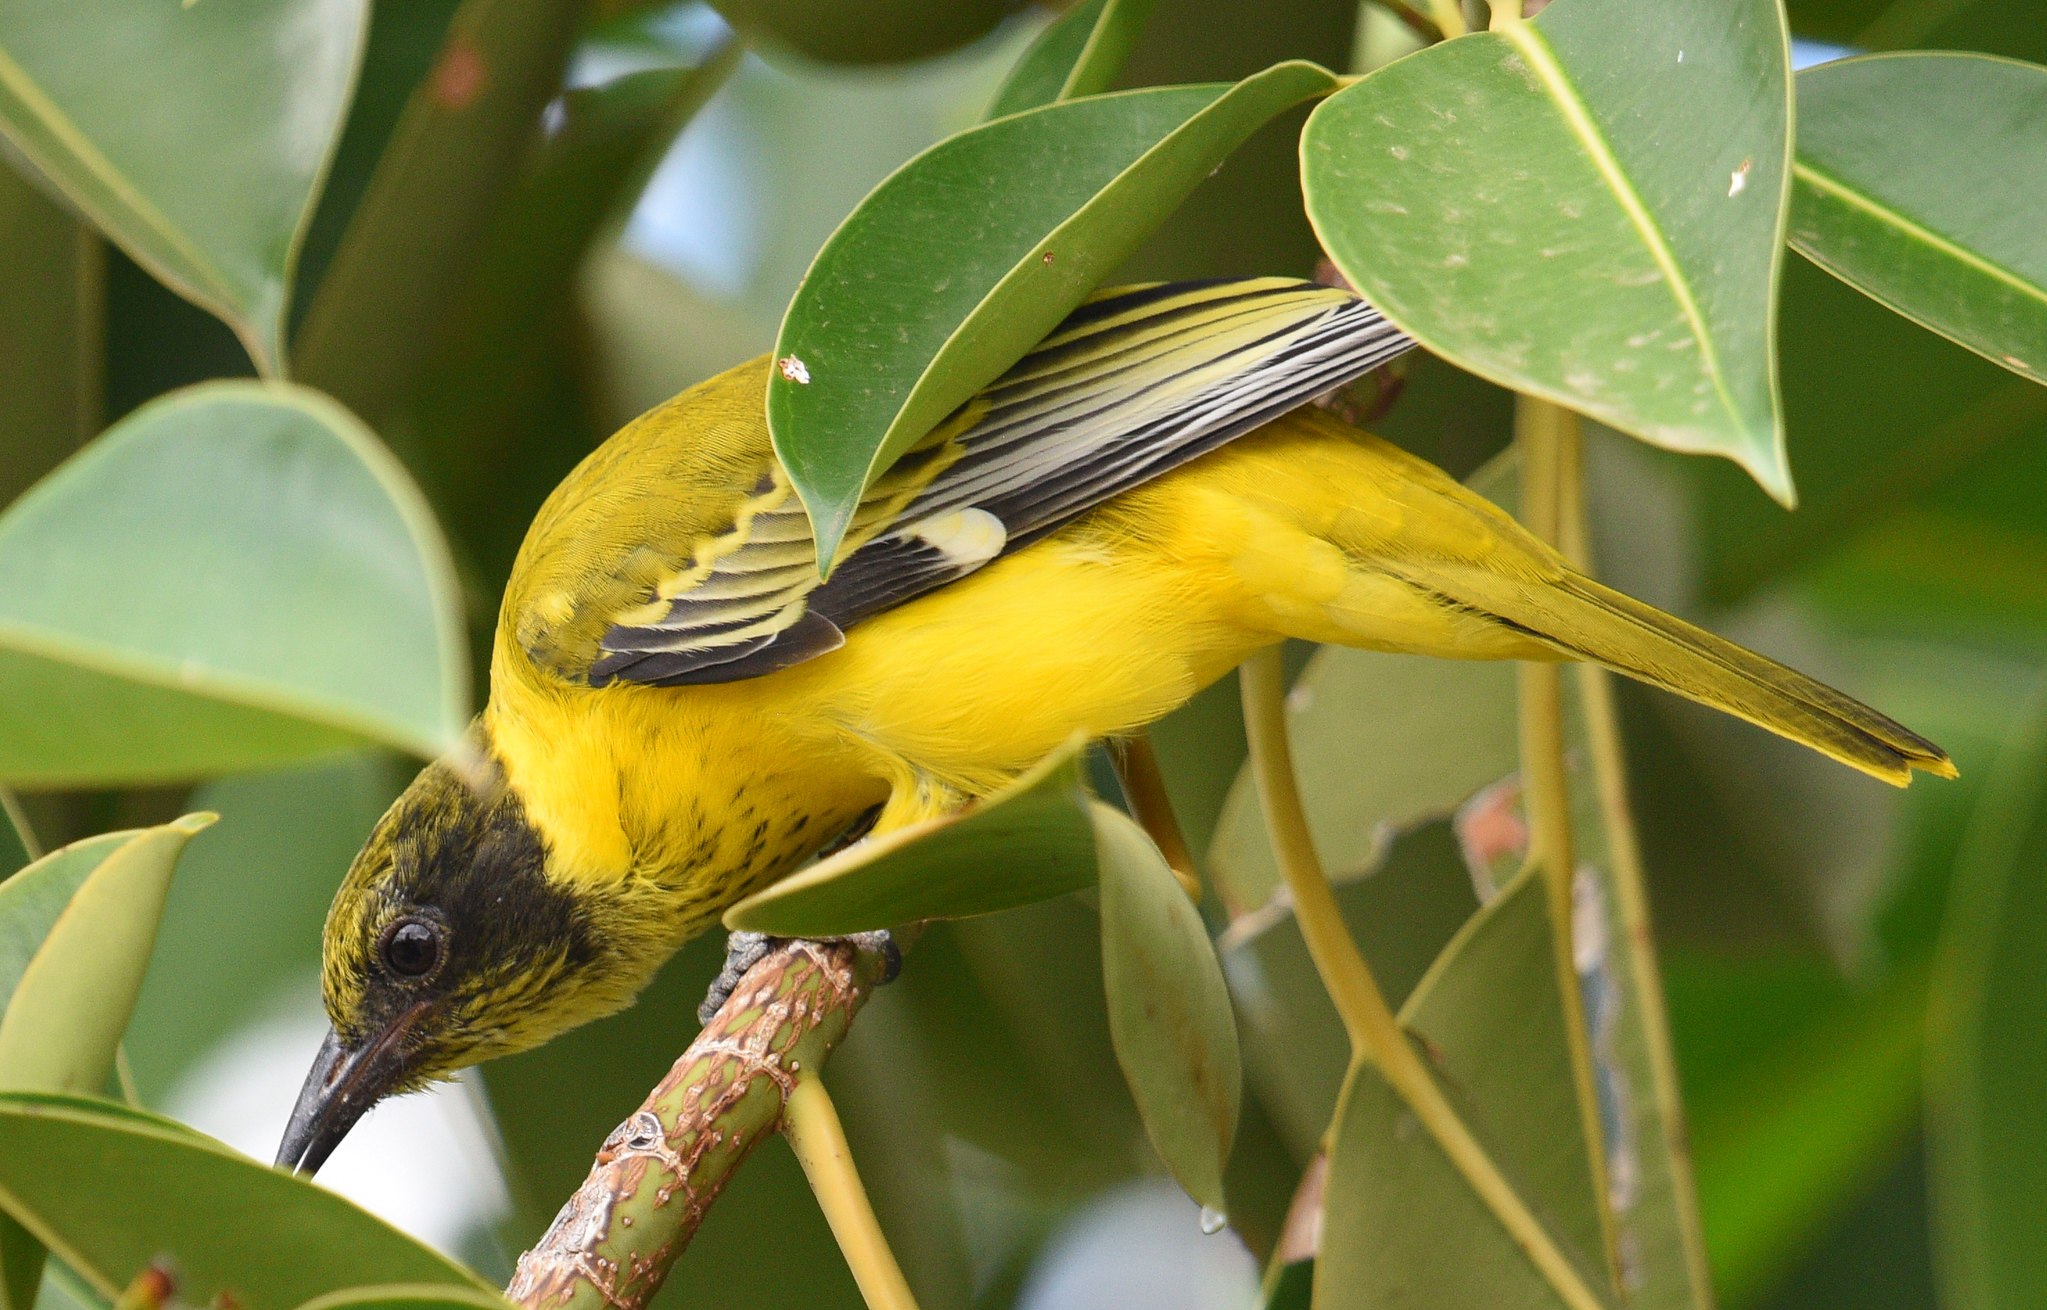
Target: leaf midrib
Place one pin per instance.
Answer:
(26, 89)
(1834, 187)
(1534, 48)
(208, 683)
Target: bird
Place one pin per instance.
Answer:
(683, 710)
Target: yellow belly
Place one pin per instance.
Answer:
(1102, 627)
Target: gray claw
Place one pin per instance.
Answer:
(743, 950)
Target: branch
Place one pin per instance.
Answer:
(655, 1177)
(1144, 786)
(1375, 1033)
(1548, 436)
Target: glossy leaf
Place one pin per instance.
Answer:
(1917, 180)
(75, 937)
(1586, 207)
(1402, 912)
(227, 1224)
(1031, 841)
(407, 1296)
(237, 574)
(970, 253)
(456, 154)
(1400, 1221)
(874, 31)
(71, 1003)
(1397, 707)
(1987, 1057)
(32, 900)
(1169, 1009)
(1077, 54)
(207, 179)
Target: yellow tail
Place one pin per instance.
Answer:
(1581, 619)
(1430, 567)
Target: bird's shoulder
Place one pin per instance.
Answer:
(660, 494)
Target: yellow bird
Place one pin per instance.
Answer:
(681, 712)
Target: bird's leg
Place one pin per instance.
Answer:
(881, 942)
(743, 950)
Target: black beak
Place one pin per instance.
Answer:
(341, 1087)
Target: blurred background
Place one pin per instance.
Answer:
(1846, 965)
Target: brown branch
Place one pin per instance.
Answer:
(656, 1176)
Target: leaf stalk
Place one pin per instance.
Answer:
(1549, 439)
(811, 1123)
(1375, 1033)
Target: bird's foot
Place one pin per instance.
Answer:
(743, 950)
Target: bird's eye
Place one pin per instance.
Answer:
(412, 948)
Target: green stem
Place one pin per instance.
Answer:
(1144, 787)
(10, 809)
(1449, 16)
(1629, 885)
(811, 1123)
(1548, 437)
(1374, 1031)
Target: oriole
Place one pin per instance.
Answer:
(681, 713)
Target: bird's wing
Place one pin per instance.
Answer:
(1134, 383)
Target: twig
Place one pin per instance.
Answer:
(1449, 16)
(656, 1176)
(1144, 786)
(1629, 883)
(811, 1123)
(1548, 436)
(1428, 29)
(1375, 1033)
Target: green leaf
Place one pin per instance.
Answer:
(1401, 912)
(1400, 1221)
(236, 574)
(268, 1238)
(76, 931)
(1987, 1057)
(456, 154)
(407, 1296)
(970, 253)
(871, 32)
(1169, 1009)
(1031, 841)
(1076, 55)
(202, 160)
(1539, 205)
(71, 1003)
(1917, 180)
(32, 900)
(1411, 705)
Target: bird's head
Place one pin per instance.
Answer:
(449, 943)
